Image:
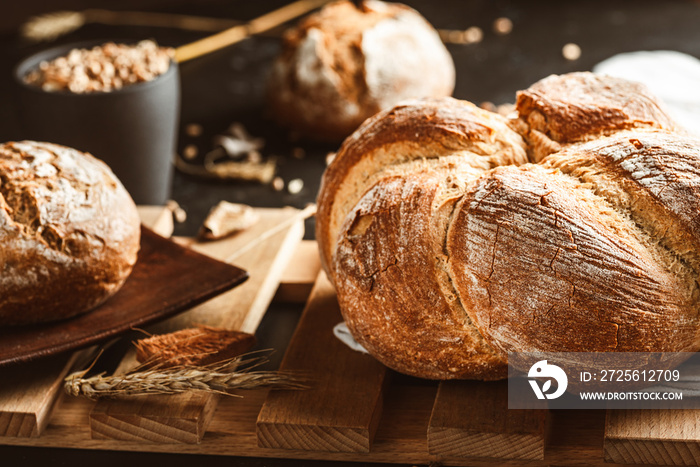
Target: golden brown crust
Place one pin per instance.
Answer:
(342, 65)
(444, 261)
(564, 109)
(419, 129)
(391, 257)
(69, 231)
(653, 176)
(388, 197)
(542, 263)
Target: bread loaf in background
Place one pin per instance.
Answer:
(449, 249)
(69, 232)
(344, 64)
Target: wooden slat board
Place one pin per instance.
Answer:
(29, 391)
(299, 276)
(341, 411)
(575, 436)
(471, 419)
(28, 394)
(185, 418)
(401, 436)
(658, 437)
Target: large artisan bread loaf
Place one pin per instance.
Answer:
(345, 63)
(448, 249)
(69, 232)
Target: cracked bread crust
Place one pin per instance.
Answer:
(385, 205)
(69, 232)
(344, 64)
(543, 263)
(414, 130)
(393, 283)
(447, 252)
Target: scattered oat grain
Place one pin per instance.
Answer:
(571, 51)
(473, 35)
(502, 26)
(190, 151)
(295, 186)
(278, 184)
(194, 130)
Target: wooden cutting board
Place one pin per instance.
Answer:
(410, 408)
(653, 436)
(29, 391)
(342, 409)
(421, 422)
(167, 279)
(185, 418)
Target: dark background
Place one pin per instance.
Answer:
(229, 86)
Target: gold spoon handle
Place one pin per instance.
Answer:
(238, 33)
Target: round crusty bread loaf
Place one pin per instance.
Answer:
(448, 250)
(342, 65)
(69, 232)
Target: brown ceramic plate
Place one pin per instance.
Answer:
(167, 279)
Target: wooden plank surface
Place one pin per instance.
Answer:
(185, 418)
(657, 437)
(342, 409)
(300, 274)
(472, 419)
(29, 391)
(576, 437)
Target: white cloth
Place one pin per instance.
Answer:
(342, 332)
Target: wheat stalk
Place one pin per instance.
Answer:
(218, 378)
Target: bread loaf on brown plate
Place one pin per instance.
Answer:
(448, 249)
(346, 63)
(69, 232)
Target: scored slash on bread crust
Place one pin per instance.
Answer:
(69, 232)
(448, 249)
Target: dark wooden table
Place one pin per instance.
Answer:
(228, 86)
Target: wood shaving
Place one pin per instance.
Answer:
(262, 172)
(236, 147)
(202, 345)
(226, 219)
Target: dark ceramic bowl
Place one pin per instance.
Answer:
(132, 129)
